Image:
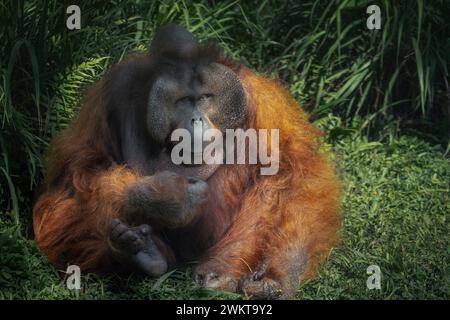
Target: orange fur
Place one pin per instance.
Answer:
(73, 227)
(283, 223)
(293, 211)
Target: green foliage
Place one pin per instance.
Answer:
(376, 85)
(396, 215)
(392, 78)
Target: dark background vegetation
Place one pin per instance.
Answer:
(382, 96)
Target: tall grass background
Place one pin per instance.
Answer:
(373, 83)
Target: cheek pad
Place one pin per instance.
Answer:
(158, 125)
(230, 102)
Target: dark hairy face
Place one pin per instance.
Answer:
(190, 85)
(179, 83)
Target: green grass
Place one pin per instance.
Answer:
(395, 215)
(367, 89)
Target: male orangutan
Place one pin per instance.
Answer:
(114, 201)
